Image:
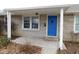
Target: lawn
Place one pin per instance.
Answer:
(72, 48)
(13, 48)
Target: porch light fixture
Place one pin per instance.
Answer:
(36, 13)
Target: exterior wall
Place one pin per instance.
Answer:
(69, 28)
(30, 33)
(2, 18)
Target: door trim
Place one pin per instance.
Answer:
(47, 27)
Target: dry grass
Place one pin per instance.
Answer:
(13, 48)
(72, 48)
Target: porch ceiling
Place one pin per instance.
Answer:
(39, 11)
(48, 11)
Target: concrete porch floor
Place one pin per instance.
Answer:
(48, 47)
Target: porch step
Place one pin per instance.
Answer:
(51, 38)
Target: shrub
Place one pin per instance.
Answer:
(3, 41)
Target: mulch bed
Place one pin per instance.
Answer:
(13, 48)
(72, 48)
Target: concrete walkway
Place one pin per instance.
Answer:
(48, 47)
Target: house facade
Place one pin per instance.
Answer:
(55, 22)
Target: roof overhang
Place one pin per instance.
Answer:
(55, 9)
(40, 9)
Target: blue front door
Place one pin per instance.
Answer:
(52, 25)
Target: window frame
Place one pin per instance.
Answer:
(38, 23)
(30, 23)
(75, 31)
(23, 23)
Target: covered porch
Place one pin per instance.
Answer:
(48, 47)
(55, 11)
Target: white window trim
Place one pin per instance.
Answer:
(30, 23)
(38, 24)
(23, 24)
(75, 24)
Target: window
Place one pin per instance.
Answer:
(26, 22)
(5, 23)
(31, 22)
(35, 22)
(76, 23)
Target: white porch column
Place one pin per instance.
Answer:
(61, 29)
(9, 25)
